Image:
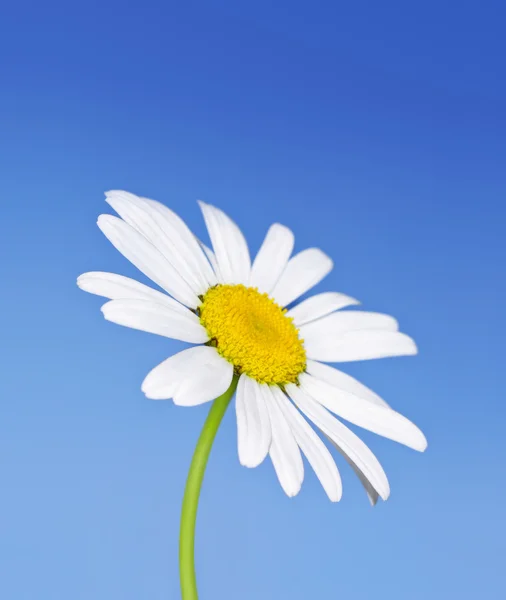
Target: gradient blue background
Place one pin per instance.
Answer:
(374, 130)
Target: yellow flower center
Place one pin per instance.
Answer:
(253, 333)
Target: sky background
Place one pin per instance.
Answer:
(376, 131)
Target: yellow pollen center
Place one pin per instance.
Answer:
(253, 333)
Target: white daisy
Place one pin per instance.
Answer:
(234, 312)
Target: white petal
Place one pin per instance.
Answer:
(351, 385)
(229, 245)
(211, 257)
(191, 377)
(318, 306)
(372, 494)
(117, 287)
(350, 444)
(271, 258)
(186, 240)
(315, 450)
(284, 451)
(333, 326)
(136, 248)
(156, 318)
(253, 423)
(360, 345)
(344, 382)
(380, 420)
(160, 232)
(302, 272)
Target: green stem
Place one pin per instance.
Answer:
(192, 493)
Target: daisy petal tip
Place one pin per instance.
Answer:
(103, 221)
(109, 311)
(292, 492)
(145, 387)
(411, 347)
(280, 227)
(84, 279)
(152, 395)
(292, 489)
(255, 462)
(243, 458)
(327, 264)
(182, 399)
(421, 443)
(249, 460)
(149, 389)
(106, 308)
(384, 494)
(119, 194)
(335, 496)
(326, 257)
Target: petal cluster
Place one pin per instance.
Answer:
(273, 416)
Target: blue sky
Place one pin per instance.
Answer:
(376, 132)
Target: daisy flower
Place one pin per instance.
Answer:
(234, 312)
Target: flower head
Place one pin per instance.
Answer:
(234, 312)
(253, 333)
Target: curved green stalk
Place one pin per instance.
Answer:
(192, 493)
